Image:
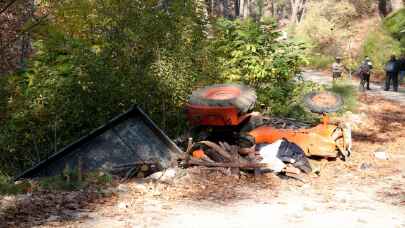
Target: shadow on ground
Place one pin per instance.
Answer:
(218, 186)
(388, 119)
(44, 207)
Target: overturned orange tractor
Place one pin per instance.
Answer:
(225, 111)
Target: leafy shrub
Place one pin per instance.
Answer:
(395, 24)
(252, 53)
(319, 61)
(379, 46)
(348, 93)
(326, 27)
(95, 59)
(71, 180)
(249, 52)
(7, 187)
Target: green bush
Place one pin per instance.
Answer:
(326, 27)
(8, 187)
(95, 59)
(349, 94)
(71, 180)
(379, 46)
(252, 53)
(319, 61)
(395, 24)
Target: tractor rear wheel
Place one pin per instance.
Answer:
(323, 102)
(241, 97)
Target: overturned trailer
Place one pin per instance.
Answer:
(131, 137)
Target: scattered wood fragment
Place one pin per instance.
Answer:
(218, 149)
(228, 165)
(132, 164)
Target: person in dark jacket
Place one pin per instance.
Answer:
(402, 68)
(365, 71)
(392, 69)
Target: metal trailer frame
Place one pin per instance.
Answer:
(120, 132)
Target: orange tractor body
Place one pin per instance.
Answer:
(201, 115)
(230, 106)
(321, 140)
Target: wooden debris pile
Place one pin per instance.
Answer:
(209, 154)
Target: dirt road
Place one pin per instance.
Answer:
(376, 89)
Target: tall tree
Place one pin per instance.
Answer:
(297, 10)
(14, 37)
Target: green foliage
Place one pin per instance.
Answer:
(395, 24)
(326, 28)
(252, 53)
(349, 94)
(71, 181)
(7, 187)
(379, 46)
(325, 20)
(95, 59)
(320, 61)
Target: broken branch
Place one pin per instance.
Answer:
(228, 165)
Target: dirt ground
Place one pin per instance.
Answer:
(377, 87)
(362, 192)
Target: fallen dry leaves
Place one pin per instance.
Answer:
(379, 124)
(42, 206)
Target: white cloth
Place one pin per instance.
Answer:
(269, 155)
(337, 67)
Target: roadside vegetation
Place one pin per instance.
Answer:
(133, 52)
(395, 25)
(68, 181)
(380, 45)
(350, 29)
(349, 94)
(323, 29)
(95, 59)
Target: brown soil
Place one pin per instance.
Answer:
(366, 188)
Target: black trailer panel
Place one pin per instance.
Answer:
(130, 137)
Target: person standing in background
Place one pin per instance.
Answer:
(391, 69)
(402, 68)
(365, 73)
(337, 68)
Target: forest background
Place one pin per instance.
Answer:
(66, 67)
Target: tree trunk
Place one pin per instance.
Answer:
(297, 9)
(382, 8)
(267, 8)
(246, 12)
(237, 6)
(15, 41)
(225, 6)
(294, 9)
(274, 8)
(241, 8)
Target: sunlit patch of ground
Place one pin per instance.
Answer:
(362, 192)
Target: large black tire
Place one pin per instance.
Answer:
(239, 96)
(323, 102)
